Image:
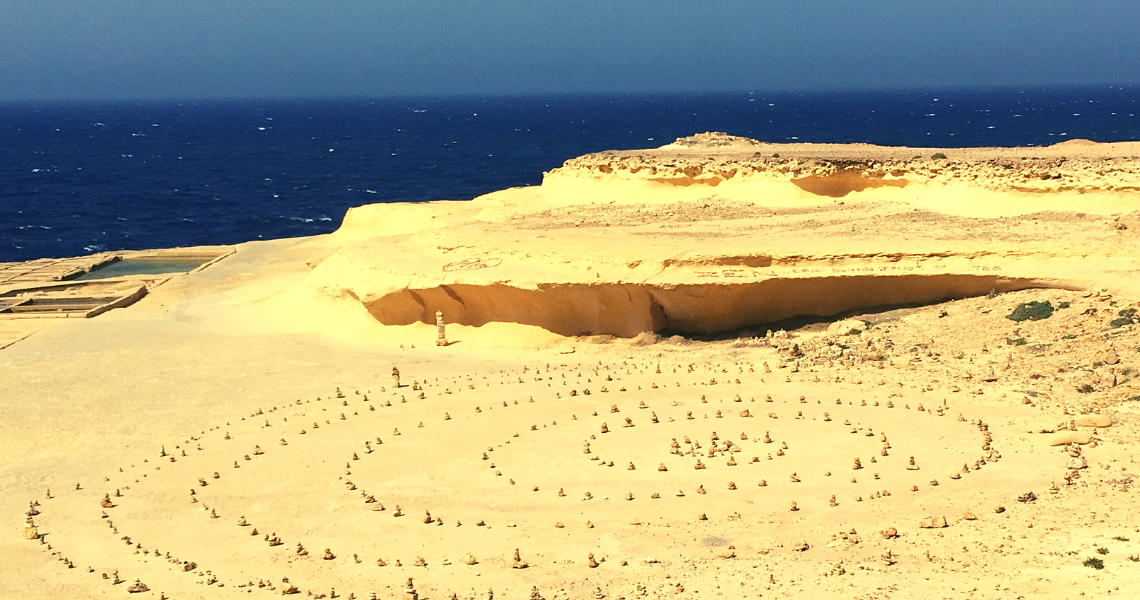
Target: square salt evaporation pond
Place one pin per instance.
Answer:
(144, 266)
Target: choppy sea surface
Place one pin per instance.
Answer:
(77, 178)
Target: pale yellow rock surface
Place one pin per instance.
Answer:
(1064, 438)
(1093, 421)
(494, 442)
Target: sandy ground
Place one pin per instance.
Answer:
(253, 402)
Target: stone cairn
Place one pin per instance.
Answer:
(441, 334)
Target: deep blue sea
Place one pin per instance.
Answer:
(78, 178)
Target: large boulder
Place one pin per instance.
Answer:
(847, 327)
(1093, 421)
(1064, 438)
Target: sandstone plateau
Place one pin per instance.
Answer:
(714, 233)
(719, 368)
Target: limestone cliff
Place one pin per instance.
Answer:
(713, 233)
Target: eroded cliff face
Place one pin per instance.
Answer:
(627, 309)
(715, 233)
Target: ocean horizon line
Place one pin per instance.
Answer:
(845, 90)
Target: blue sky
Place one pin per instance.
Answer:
(96, 49)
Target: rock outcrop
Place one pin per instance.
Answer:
(716, 233)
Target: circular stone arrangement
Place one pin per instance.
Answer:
(535, 468)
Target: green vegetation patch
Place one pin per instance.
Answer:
(1031, 311)
(938, 156)
(1124, 317)
(1016, 342)
(1094, 562)
(1063, 305)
